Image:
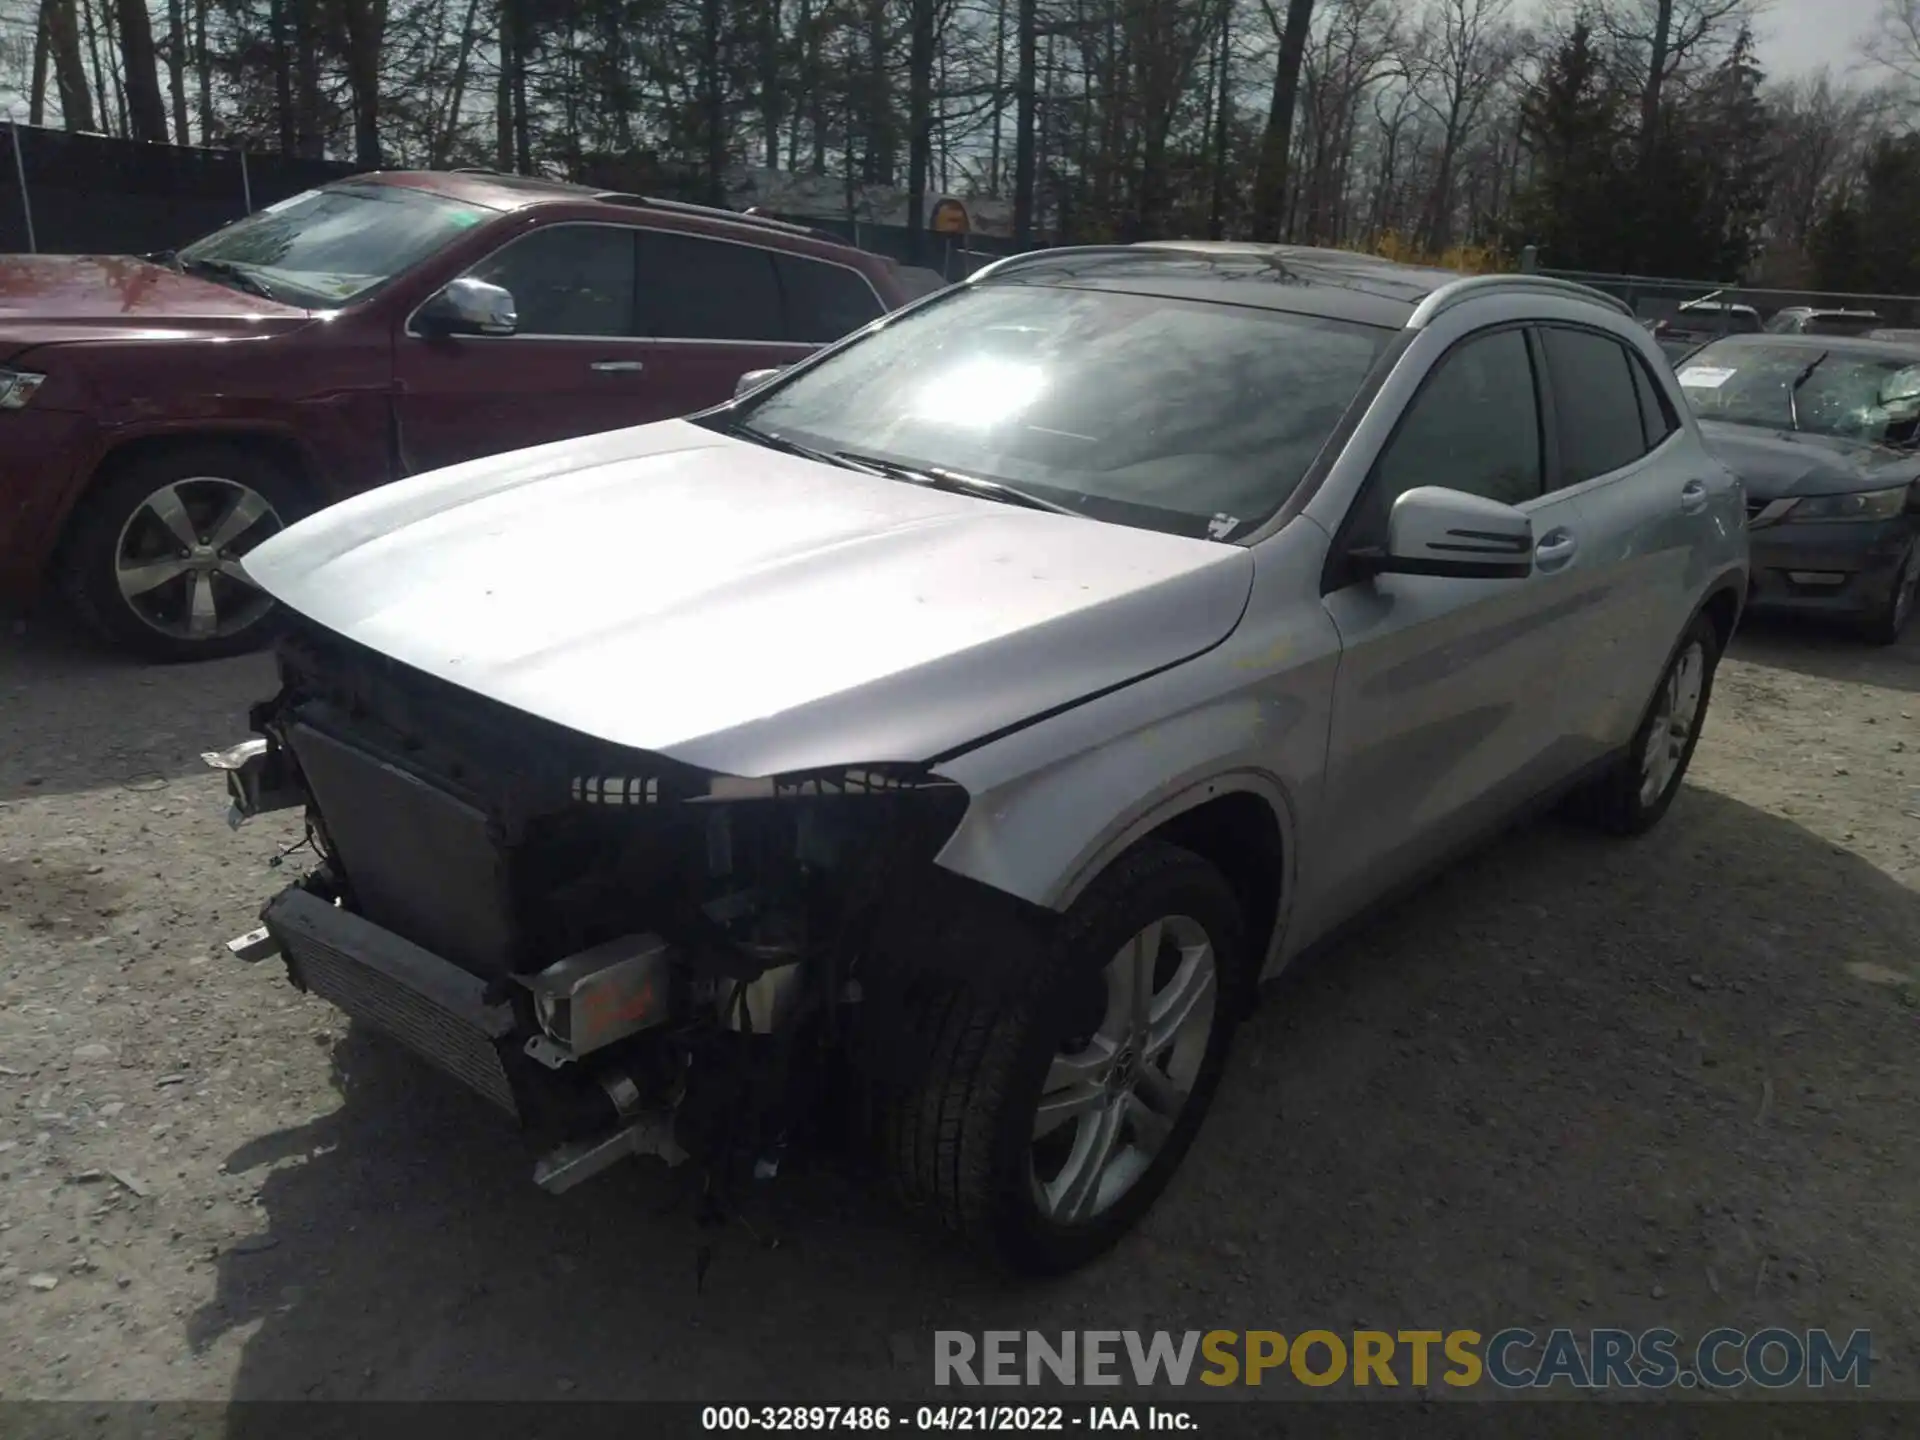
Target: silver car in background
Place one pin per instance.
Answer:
(932, 749)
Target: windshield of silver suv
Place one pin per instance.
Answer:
(1192, 417)
(1813, 390)
(326, 247)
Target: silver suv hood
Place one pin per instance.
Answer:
(681, 592)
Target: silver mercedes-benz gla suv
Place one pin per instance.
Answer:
(928, 752)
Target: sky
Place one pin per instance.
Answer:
(1800, 35)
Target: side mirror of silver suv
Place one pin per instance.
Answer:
(754, 379)
(1434, 531)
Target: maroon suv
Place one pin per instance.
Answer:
(161, 416)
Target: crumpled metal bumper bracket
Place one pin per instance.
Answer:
(254, 946)
(568, 1166)
(257, 780)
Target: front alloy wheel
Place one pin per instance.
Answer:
(1112, 1097)
(152, 560)
(1055, 1101)
(177, 561)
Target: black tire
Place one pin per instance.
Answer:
(1615, 801)
(1887, 624)
(958, 1141)
(114, 512)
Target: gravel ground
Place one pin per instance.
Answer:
(1576, 1081)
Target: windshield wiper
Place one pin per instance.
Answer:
(1793, 390)
(780, 443)
(226, 270)
(935, 477)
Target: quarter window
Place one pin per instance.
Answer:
(1656, 414)
(1596, 409)
(567, 280)
(692, 288)
(1474, 427)
(823, 302)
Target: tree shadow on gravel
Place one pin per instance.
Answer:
(1819, 649)
(1576, 1082)
(82, 717)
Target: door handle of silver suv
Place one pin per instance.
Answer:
(618, 367)
(1554, 549)
(1693, 497)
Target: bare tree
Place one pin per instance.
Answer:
(37, 81)
(366, 27)
(1334, 122)
(203, 70)
(923, 34)
(1462, 51)
(146, 111)
(59, 22)
(1276, 144)
(1352, 51)
(1669, 37)
(109, 120)
(177, 68)
(1895, 42)
(1826, 126)
(1394, 117)
(1164, 40)
(1025, 107)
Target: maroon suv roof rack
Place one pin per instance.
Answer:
(650, 202)
(716, 212)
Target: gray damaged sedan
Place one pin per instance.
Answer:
(925, 755)
(1825, 434)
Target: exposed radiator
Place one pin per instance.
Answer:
(433, 1007)
(418, 861)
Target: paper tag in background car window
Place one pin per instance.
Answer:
(1705, 377)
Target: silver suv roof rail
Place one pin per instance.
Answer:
(1471, 287)
(1051, 252)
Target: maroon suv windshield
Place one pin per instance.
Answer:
(327, 247)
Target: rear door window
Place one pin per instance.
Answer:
(1597, 411)
(695, 288)
(823, 302)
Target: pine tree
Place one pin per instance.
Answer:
(1571, 123)
(1730, 137)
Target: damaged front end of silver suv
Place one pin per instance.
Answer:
(626, 954)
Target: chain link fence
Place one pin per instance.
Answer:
(1685, 314)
